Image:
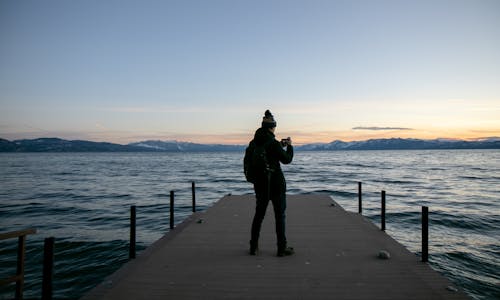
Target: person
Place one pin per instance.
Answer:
(271, 186)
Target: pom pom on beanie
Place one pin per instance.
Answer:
(268, 120)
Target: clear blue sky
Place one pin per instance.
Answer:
(205, 71)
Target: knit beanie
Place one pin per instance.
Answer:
(268, 120)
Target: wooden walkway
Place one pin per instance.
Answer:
(336, 258)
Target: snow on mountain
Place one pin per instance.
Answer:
(176, 146)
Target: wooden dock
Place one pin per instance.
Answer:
(206, 257)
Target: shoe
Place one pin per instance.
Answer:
(253, 248)
(285, 251)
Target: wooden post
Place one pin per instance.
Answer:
(360, 206)
(131, 254)
(171, 209)
(382, 215)
(48, 268)
(425, 233)
(21, 255)
(194, 196)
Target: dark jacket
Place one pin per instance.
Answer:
(275, 152)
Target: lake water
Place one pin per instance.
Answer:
(84, 199)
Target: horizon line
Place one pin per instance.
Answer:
(476, 139)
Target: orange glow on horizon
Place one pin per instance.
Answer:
(301, 138)
(242, 137)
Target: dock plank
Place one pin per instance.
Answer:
(336, 257)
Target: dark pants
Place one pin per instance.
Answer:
(275, 193)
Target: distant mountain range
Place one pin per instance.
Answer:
(404, 144)
(175, 146)
(60, 145)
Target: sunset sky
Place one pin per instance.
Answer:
(205, 71)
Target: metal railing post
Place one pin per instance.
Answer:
(425, 233)
(382, 215)
(360, 206)
(131, 254)
(171, 209)
(193, 192)
(48, 268)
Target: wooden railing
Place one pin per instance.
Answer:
(21, 253)
(48, 261)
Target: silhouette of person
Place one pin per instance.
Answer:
(271, 186)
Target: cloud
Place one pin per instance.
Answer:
(381, 128)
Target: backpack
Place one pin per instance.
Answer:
(255, 162)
